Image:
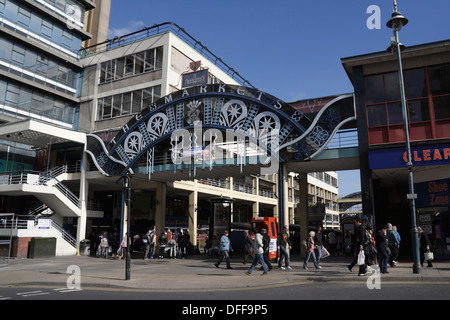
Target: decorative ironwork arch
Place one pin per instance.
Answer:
(191, 123)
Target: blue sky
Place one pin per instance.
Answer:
(289, 48)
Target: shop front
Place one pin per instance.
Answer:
(431, 174)
(433, 209)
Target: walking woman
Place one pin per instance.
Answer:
(310, 251)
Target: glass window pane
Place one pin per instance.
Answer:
(159, 57)
(25, 99)
(126, 103)
(395, 114)
(107, 107)
(129, 65)
(103, 72)
(137, 101)
(139, 63)
(374, 89)
(119, 68)
(37, 102)
(419, 110)
(442, 107)
(376, 115)
(440, 79)
(117, 105)
(150, 60)
(147, 97)
(12, 95)
(392, 85)
(415, 84)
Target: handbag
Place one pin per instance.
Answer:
(361, 258)
(429, 256)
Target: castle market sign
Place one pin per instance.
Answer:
(220, 120)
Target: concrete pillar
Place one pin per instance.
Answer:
(302, 210)
(160, 208)
(193, 205)
(84, 189)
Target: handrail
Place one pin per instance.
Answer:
(42, 179)
(21, 222)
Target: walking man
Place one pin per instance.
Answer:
(266, 246)
(283, 243)
(258, 246)
(225, 247)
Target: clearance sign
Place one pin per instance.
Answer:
(421, 156)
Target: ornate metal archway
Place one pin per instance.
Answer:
(215, 126)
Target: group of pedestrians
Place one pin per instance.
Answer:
(175, 243)
(382, 247)
(257, 247)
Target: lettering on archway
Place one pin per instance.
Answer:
(216, 125)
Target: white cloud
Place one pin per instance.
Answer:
(131, 27)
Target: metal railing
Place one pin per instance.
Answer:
(21, 222)
(344, 139)
(39, 178)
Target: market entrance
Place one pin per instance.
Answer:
(217, 131)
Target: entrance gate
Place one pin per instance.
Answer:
(221, 130)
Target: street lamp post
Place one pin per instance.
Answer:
(396, 23)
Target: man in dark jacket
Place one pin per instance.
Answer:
(382, 249)
(360, 241)
(266, 244)
(318, 243)
(425, 246)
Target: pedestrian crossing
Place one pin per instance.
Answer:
(36, 293)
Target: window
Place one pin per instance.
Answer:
(24, 16)
(419, 110)
(139, 62)
(18, 54)
(47, 28)
(142, 62)
(127, 103)
(37, 102)
(376, 115)
(442, 107)
(395, 114)
(428, 104)
(137, 101)
(129, 65)
(12, 95)
(415, 83)
(392, 86)
(117, 105)
(374, 89)
(119, 68)
(440, 79)
(150, 60)
(106, 109)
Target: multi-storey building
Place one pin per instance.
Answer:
(52, 94)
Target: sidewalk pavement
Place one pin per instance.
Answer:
(195, 273)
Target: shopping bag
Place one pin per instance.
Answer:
(361, 258)
(325, 253)
(429, 256)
